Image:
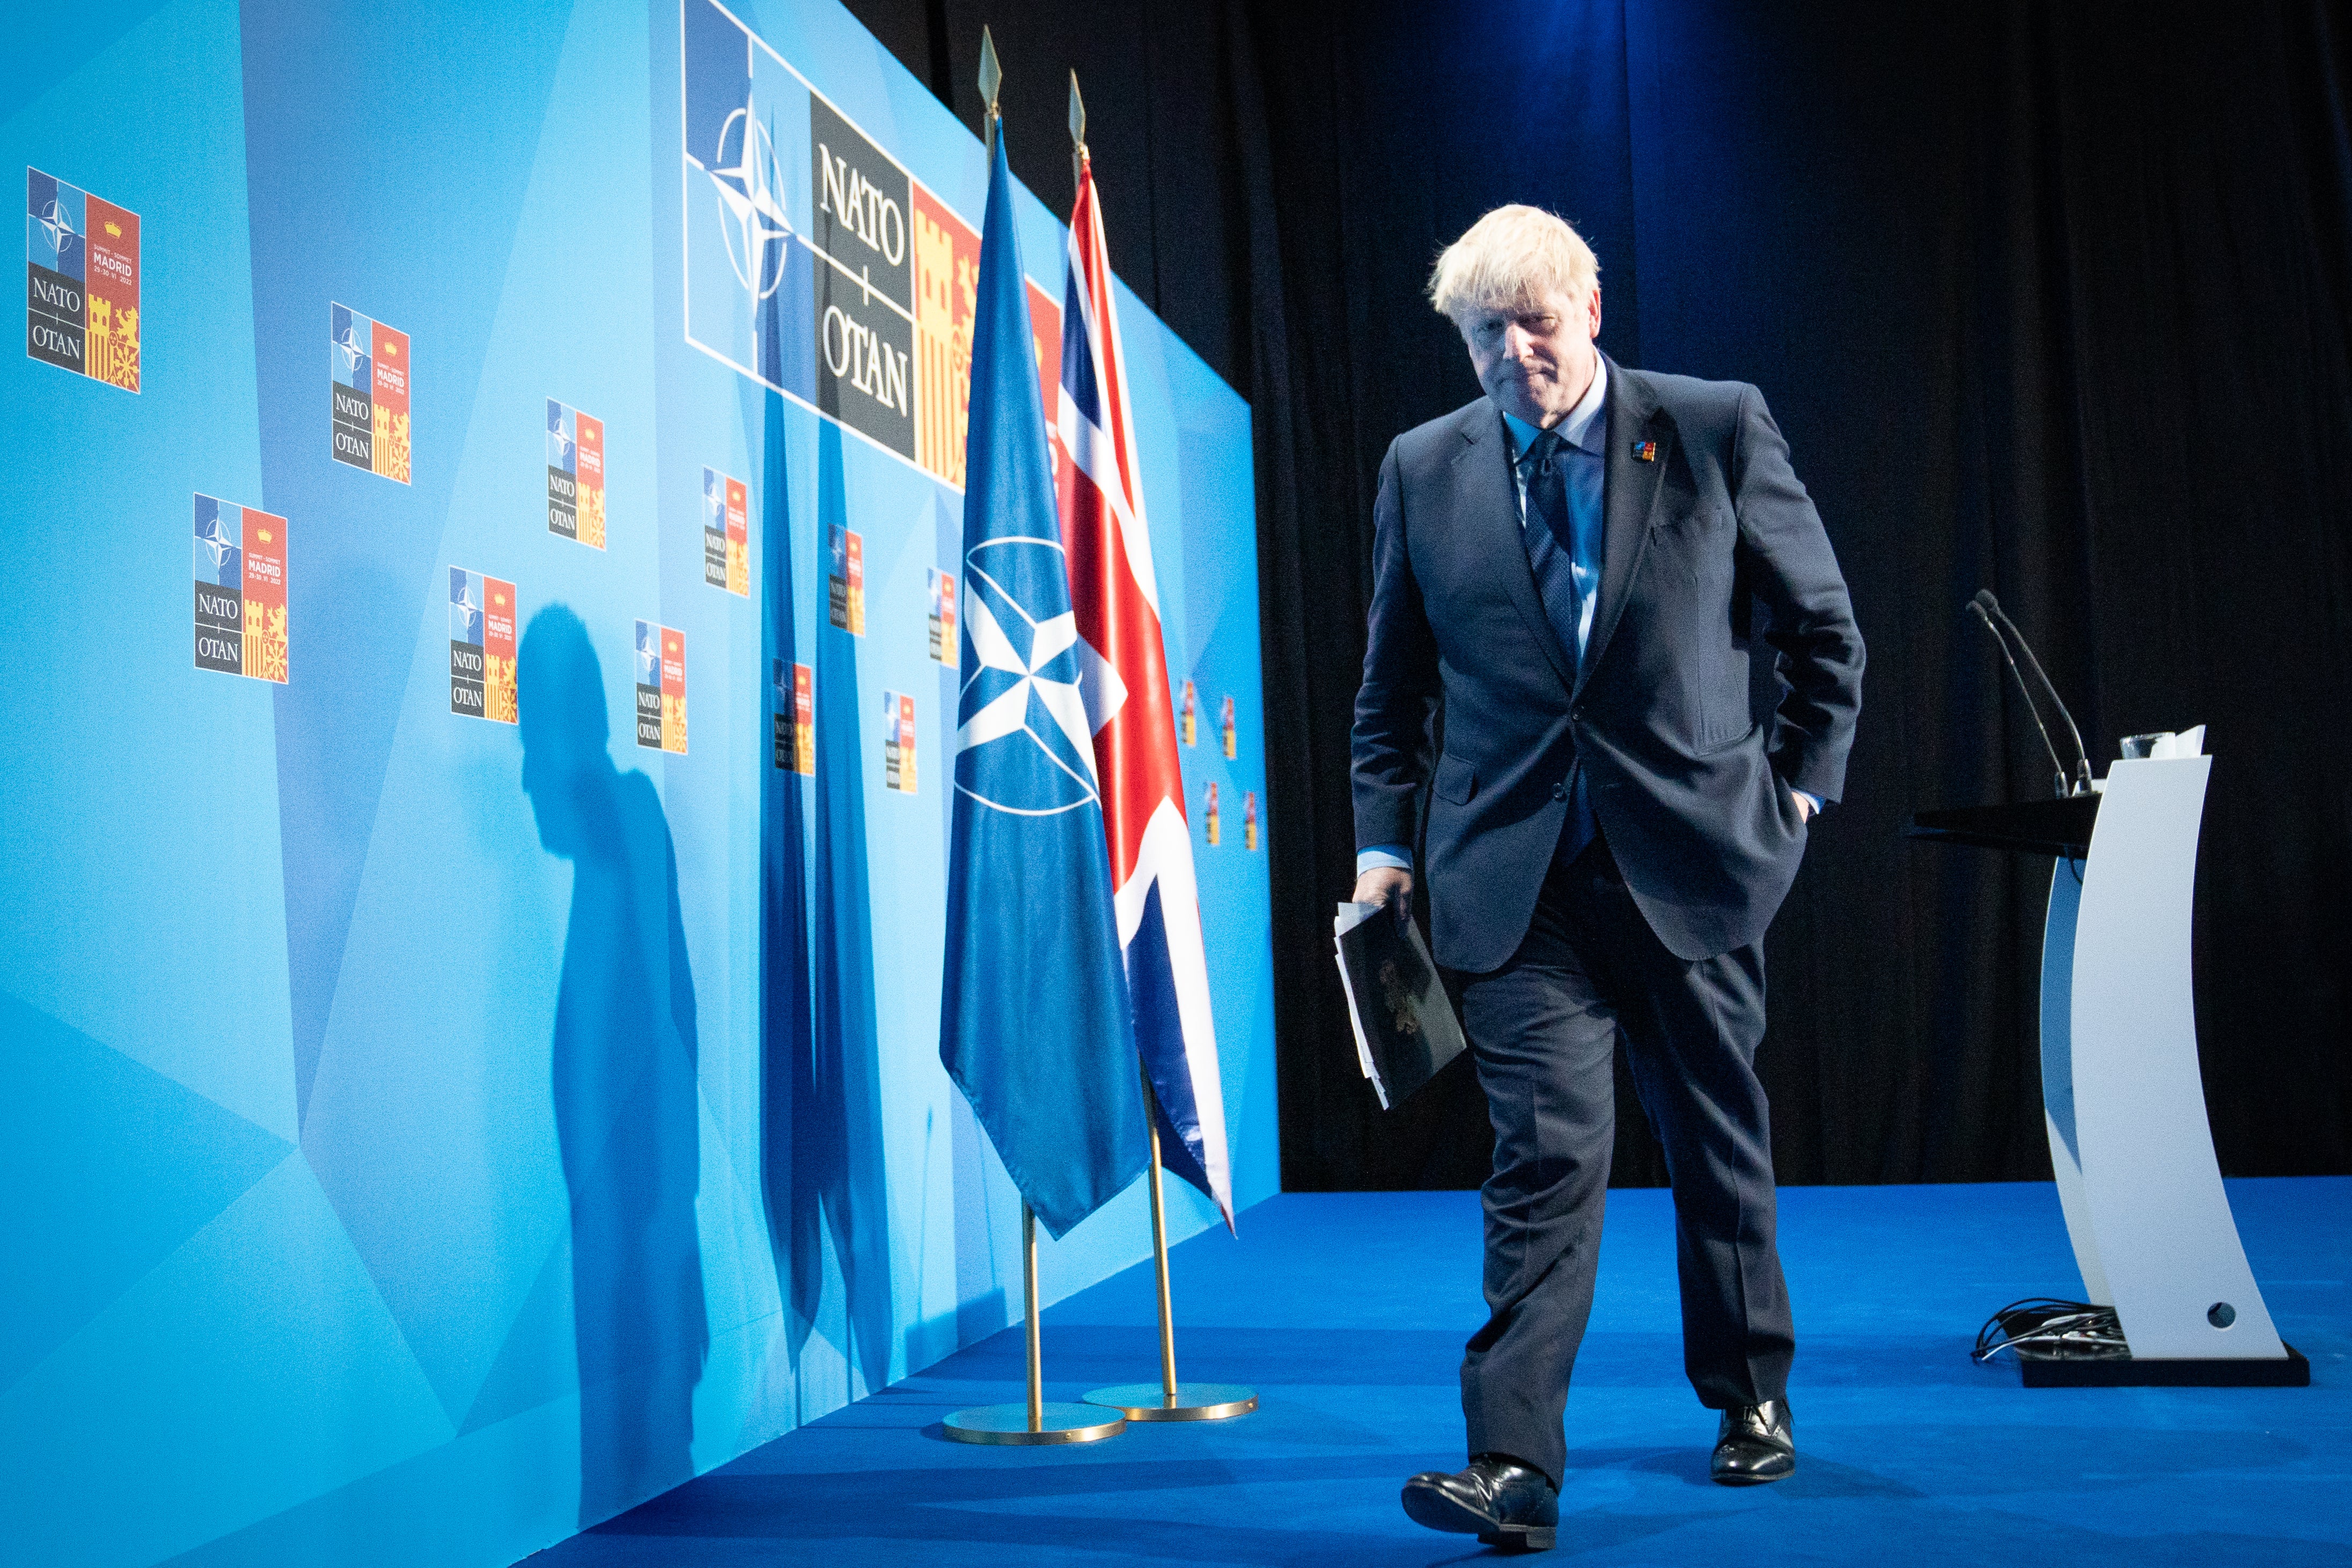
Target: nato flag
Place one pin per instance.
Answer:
(1034, 1022)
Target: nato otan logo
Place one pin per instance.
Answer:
(661, 687)
(814, 261)
(898, 742)
(575, 475)
(793, 695)
(481, 646)
(941, 588)
(81, 282)
(845, 579)
(240, 582)
(368, 362)
(725, 533)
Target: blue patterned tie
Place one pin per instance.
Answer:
(1550, 536)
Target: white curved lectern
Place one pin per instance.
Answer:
(2120, 1087)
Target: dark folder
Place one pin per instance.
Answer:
(1405, 1027)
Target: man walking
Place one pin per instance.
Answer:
(1574, 565)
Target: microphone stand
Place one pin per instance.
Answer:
(2082, 780)
(1976, 608)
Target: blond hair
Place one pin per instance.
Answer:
(1512, 258)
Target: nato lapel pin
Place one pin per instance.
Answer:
(1646, 452)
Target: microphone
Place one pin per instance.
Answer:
(2002, 644)
(1987, 607)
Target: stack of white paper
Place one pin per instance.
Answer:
(1351, 915)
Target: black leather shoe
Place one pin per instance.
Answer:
(1754, 1444)
(1499, 1500)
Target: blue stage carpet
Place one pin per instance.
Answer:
(1348, 1312)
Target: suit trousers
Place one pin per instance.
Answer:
(1543, 1031)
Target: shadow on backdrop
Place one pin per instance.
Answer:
(838, 1185)
(787, 1042)
(625, 1081)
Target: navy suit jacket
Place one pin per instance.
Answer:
(1691, 789)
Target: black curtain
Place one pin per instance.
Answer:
(2056, 300)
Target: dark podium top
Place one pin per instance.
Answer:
(2059, 826)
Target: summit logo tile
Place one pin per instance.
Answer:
(481, 646)
(725, 533)
(81, 282)
(240, 590)
(794, 699)
(575, 475)
(368, 364)
(941, 616)
(898, 742)
(845, 580)
(661, 688)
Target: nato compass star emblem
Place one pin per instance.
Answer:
(751, 206)
(466, 612)
(58, 226)
(648, 656)
(1023, 744)
(350, 348)
(216, 544)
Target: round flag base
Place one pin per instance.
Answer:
(1057, 1423)
(1190, 1402)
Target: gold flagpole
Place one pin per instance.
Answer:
(1168, 1400)
(1033, 1421)
(1029, 1303)
(1160, 1267)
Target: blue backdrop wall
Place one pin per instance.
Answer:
(399, 1164)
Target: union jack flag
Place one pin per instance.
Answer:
(1117, 600)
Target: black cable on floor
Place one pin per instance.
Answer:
(2045, 1328)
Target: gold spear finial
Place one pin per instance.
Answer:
(992, 77)
(1078, 134)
